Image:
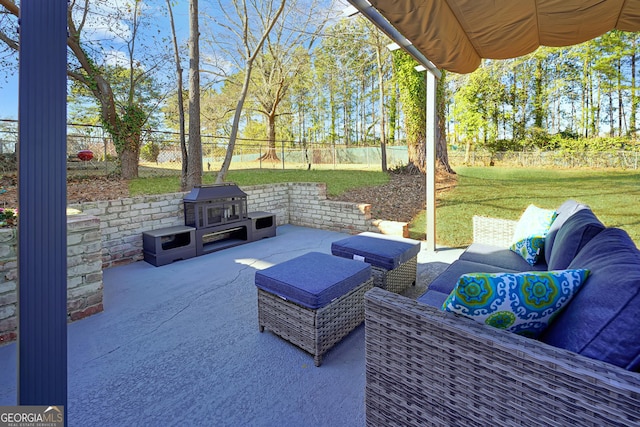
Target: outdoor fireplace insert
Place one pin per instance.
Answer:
(213, 205)
(219, 214)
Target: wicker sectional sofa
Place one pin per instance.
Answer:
(425, 366)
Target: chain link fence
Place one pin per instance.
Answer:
(161, 154)
(561, 159)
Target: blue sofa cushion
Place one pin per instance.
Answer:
(500, 257)
(602, 320)
(433, 298)
(577, 230)
(564, 211)
(446, 281)
(386, 252)
(314, 279)
(523, 303)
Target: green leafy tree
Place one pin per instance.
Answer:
(89, 66)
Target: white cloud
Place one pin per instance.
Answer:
(107, 19)
(115, 58)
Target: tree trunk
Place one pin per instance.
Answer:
(383, 131)
(417, 151)
(194, 164)
(272, 154)
(249, 60)
(538, 96)
(413, 99)
(393, 111)
(442, 154)
(129, 160)
(467, 152)
(620, 104)
(633, 128)
(236, 124)
(183, 142)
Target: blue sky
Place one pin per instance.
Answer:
(9, 97)
(9, 89)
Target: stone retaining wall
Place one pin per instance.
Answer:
(84, 273)
(109, 233)
(123, 221)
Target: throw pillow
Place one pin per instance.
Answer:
(530, 232)
(524, 303)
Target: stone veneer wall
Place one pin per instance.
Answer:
(109, 233)
(84, 273)
(122, 221)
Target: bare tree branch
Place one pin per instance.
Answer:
(11, 7)
(9, 41)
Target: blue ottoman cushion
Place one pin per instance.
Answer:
(314, 279)
(387, 252)
(601, 321)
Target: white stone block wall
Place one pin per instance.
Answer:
(123, 221)
(109, 233)
(8, 284)
(84, 273)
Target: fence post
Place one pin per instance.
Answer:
(334, 157)
(260, 154)
(282, 155)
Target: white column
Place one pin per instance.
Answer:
(431, 162)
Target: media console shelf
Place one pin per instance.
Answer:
(213, 239)
(263, 224)
(166, 245)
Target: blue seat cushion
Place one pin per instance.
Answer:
(433, 298)
(386, 252)
(314, 279)
(564, 211)
(500, 257)
(576, 232)
(446, 281)
(601, 321)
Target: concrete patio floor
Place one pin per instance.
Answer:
(179, 345)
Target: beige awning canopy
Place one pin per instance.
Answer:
(456, 34)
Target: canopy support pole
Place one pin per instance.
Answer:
(430, 161)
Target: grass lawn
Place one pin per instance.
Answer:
(338, 181)
(613, 195)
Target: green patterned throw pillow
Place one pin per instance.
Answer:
(530, 232)
(524, 303)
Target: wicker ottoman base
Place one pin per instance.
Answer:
(314, 331)
(398, 279)
(393, 259)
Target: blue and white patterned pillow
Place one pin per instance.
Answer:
(530, 232)
(524, 303)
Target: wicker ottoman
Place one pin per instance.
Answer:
(393, 259)
(313, 301)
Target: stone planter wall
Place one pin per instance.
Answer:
(84, 273)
